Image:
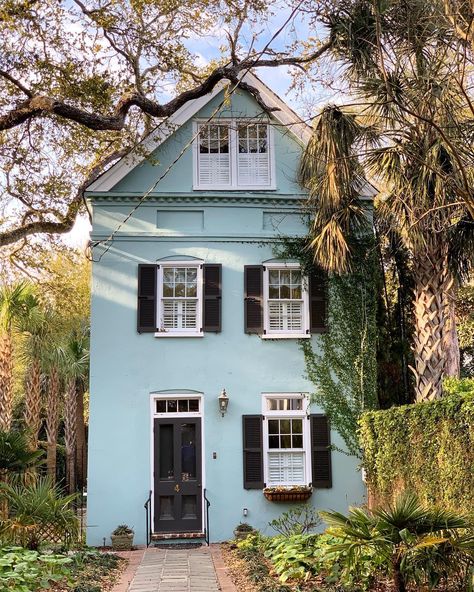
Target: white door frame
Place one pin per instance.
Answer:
(176, 394)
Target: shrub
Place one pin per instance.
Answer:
(299, 520)
(244, 527)
(414, 543)
(123, 529)
(425, 447)
(38, 512)
(28, 571)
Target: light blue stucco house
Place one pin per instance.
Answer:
(188, 301)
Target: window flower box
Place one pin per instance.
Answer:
(297, 493)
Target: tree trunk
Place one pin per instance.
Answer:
(398, 579)
(70, 419)
(451, 342)
(52, 421)
(32, 414)
(435, 340)
(81, 451)
(6, 381)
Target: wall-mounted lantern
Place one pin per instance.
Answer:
(223, 402)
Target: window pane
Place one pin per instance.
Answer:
(172, 406)
(285, 441)
(273, 426)
(274, 442)
(161, 406)
(182, 405)
(272, 404)
(297, 441)
(188, 451)
(179, 291)
(274, 276)
(224, 139)
(194, 405)
(297, 426)
(262, 138)
(166, 452)
(296, 292)
(285, 276)
(285, 426)
(285, 292)
(273, 292)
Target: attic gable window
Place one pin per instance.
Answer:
(233, 154)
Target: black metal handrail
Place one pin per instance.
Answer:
(148, 530)
(206, 530)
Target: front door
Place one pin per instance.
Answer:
(177, 475)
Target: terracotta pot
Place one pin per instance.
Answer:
(287, 496)
(122, 542)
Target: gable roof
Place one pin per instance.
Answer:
(282, 113)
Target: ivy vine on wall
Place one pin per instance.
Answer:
(343, 368)
(426, 447)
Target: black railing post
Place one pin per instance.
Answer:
(148, 531)
(206, 530)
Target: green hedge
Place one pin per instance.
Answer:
(427, 448)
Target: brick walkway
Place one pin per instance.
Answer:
(160, 570)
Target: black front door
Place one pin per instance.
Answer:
(177, 475)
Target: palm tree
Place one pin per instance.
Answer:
(37, 328)
(74, 370)
(413, 137)
(16, 301)
(52, 411)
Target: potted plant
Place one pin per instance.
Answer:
(242, 531)
(294, 493)
(122, 538)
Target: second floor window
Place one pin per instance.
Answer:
(180, 288)
(285, 301)
(233, 155)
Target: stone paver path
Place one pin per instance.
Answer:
(174, 570)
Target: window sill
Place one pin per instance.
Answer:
(171, 334)
(286, 336)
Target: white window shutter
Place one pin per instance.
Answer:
(179, 314)
(253, 169)
(285, 316)
(286, 468)
(214, 169)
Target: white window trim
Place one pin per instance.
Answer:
(304, 415)
(233, 185)
(267, 334)
(199, 320)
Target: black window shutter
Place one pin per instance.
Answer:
(212, 297)
(253, 451)
(146, 307)
(253, 301)
(318, 301)
(321, 451)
